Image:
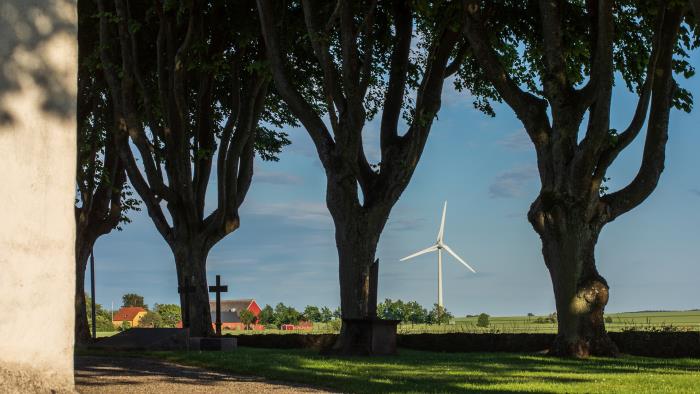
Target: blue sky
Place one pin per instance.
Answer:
(485, 168)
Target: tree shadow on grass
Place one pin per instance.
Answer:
(417, 371)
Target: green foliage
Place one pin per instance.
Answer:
(132, 299)
(335, 325)
(283, 314)
(103, 324)
(608, 319)
(124, 326)
(169, 313)
(312, 313)
(247, 318)
(439, 315)
(483, 320)
(267, 316)
(99, 310)
(286, 315)
(326, 314)
(515, 34)
(151, 320)
(412, 312)
(551, 319)
(103, 318)
(96, 128)
(409, 312)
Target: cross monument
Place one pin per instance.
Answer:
(218, 289)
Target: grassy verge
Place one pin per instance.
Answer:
(414, 371)
(103, 334)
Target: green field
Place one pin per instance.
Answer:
(422, 372)
(676, 320)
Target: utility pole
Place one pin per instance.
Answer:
(92, 293)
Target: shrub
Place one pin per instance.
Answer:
(483, 320)
(103, 324)
(608, 319)
(247, 318)
(151, 320)
(335, 324)
(169, 313)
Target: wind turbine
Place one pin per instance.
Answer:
(439, 246)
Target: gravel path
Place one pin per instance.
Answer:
(133, 375)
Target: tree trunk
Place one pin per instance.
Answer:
(357, 235)
(82, 253)
(191, 261)
(568, 246)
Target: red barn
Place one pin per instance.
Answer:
(230, 313)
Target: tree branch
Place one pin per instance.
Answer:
(654, 154)
(301, 109)
(624, 139)
(531, 110)
(554, 78)
(320, 44)
(398, 71)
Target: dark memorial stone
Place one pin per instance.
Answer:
(368, 336)
(213, 344)
(377, 335)
(146, 339)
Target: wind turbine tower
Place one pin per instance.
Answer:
(439, 246)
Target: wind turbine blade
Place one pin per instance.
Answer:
(441, 233)
(447, 248)
(424, 251)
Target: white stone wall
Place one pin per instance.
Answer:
(38, 68)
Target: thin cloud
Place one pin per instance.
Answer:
(298, 212)
(405, 224)
(513, 183)
(278, 178)
(518, 141)
(695, 191)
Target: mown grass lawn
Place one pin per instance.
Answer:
(425, 372)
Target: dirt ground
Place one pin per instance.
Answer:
(132, 375)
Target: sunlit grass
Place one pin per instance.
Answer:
(415, 371)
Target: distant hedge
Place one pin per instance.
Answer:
(639, 343)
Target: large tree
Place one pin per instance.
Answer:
(102, 196)
(556, 69)
(366, 66)
(189, 95)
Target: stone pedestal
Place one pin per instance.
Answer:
(222, 344)
(366, 337)
(146, 339)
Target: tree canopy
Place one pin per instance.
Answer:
(133, 299)
(192, 100)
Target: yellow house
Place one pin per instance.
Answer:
(131, 315)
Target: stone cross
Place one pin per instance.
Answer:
(218, 289)
(186, 289)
